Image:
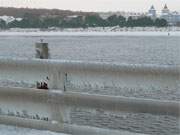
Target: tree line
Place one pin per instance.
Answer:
(33, 21)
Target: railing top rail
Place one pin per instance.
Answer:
(110, 103)
(93, 66)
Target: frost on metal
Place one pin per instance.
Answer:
(67, 75)
(22, 114)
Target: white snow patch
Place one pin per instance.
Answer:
(97, 31)
(53, 33)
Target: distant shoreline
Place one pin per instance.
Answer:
(96, 29)
(135, 33)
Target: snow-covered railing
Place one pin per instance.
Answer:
(66, 75)
(52, 108)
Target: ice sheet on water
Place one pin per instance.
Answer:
(90, 33)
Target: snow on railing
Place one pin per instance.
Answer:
(51, 108)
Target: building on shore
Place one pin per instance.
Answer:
(9, 19)
(105, 15)
(133, 15)
(152, 13)
(173, 18)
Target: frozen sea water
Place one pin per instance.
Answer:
(119, 48)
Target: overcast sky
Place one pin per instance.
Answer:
(94, 5)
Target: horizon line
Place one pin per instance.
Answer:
(110, 11)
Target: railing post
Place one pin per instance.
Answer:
(61, 113)
(58, 80)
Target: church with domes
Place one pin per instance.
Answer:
(171, 17)
(152, 13)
